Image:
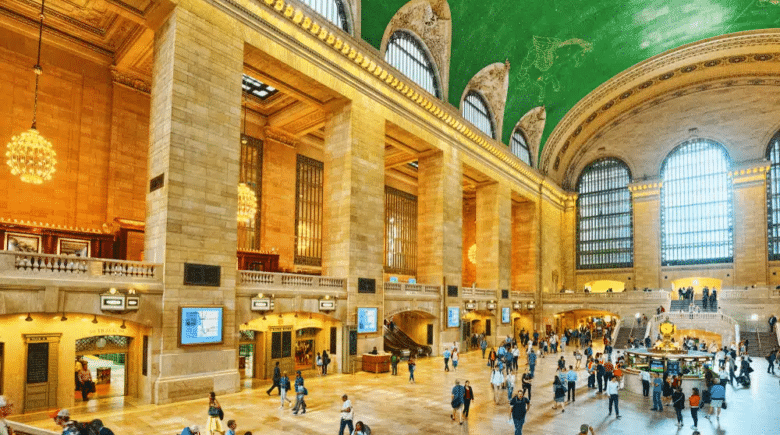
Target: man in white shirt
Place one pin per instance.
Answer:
(645, 374)
(346, 415)
(5, 410)
(612, 390)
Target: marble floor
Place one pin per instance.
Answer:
(391, 405)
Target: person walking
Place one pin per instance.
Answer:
(412, 365)
(658, 388)
(577, 359)
(284, 387)
(772, 322)
(600, 373)
(694, 402)
(325, 362)
(559, 394)
(771, 360)
(612, 390)
(458, 393)
(678, 401)
(515, 357)
(455, 358)
(532, 361)
(667, 390)
(277, 376)
(492, 357)
(214, 424)
(519, 406)
(571, 383)
(347, 414)
(510, 385)
(446, 356)
(483, 346)
(394, 364)
(300, 393)
(468, 396)
(85, 378)
(526, 381)
(645, 375)
(718, 396)
(497, 380)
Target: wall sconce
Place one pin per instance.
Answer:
(517, 306)
(94, 319)
(29, 318)
(471, 306)
(117, 302)
(262, 303)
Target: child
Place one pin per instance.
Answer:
(231, 427)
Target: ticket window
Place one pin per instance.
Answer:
(40, 388)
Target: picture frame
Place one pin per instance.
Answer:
(21, 242)
(201, 325)
(367, 321)
(74, 247)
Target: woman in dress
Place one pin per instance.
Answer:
(559, 394)
(319, 364)
(214, 424)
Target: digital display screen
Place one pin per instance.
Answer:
(673, 367)
(367, 321)
(200, 325)
(505, 315)
(657, 366)
(453, 317)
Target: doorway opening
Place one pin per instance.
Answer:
(106, 357)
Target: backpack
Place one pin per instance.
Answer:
(87, 428)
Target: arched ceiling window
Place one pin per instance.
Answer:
(475, 110)
(605, 232)
(334, 11)
(773, 197)
(696, 208)
(408, 54)
(519, 147)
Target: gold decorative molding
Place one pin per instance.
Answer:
(645, 189)
(278, 136)
(45, 225)
(750, 172)
(130, 80)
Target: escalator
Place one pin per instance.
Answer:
(397, 341)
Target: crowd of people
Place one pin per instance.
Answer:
(709, 298)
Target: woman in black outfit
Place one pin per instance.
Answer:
(678, 400)
(667, 390)
(467, 398)
(527, 383)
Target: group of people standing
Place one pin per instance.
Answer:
(708, 298)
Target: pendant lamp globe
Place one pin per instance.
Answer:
(30, 155)
(247, 203)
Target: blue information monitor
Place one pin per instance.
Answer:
(200, 325)
(367, 320)
(453, 317)
(505, 315)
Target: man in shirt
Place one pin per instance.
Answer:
(346, 415)
(519, 408)
(571, 378)
(277, 377)
(446, 356)
(531, 361)
(62, 418)
(584, 430)
(718, 396)
(612, 390)
(658, 388)
(5, 411)
(458, 393)
(645, 375)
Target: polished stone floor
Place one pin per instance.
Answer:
(391, 405)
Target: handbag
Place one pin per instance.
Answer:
(221, 413)
(213, 411)
(724, 405)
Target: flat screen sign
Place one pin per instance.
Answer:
(367, 320)
(200, 325)
(453, 317)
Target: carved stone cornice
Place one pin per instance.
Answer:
(278, 136)
(645, 189)
(131, 81)
(747, 173)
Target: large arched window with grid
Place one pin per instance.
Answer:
(475, 110)
(773, 197)
(334, 11)
(519, 146)
(605, 232)
(696, 208)
(408, 54)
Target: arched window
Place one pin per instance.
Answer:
(409, 55)
(696, 210)
(476, 111)
(519, 147)
(605, 232)
(334, 11)
(773, 197)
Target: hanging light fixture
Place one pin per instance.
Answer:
(30, 155)
(123, 325)
(29, 318)
(64, 318)
(94, 319)
(247, 203)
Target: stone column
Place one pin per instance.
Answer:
(440, 230)
(194, 146)
(646, 197)
(569, 242)
(750, 224)
(353, 245)
(494, 245)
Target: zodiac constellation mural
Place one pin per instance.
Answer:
(537, 75)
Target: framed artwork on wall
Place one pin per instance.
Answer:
(73, 247)
(22, 242)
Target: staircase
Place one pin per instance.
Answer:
(621, 340)
(397, 341)
(684, 305)
(761, 343)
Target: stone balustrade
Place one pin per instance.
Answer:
(412, 289)
(255, 280)
(521, 296)
(750, 293)
(626, 296)
(23, 429)
(718, 323)
(63, 269)
(479, 293)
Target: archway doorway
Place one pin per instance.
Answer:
(598, 324)
(605, 286)
(697, 283)
(410, 333)
(106, 358)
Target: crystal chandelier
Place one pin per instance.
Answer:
(30, 155)
(247, 203)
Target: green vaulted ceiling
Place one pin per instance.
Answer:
(560, 50)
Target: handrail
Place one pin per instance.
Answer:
(34, 263)
(655, 295)
(23, 429)
(681, 315)
(472, 291)
(402, 287)
(290, 280)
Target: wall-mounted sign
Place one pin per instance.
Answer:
(505, 315)
(491, 305)
(471, 306)
(453, 317)
(327, 305)
(262, 304)
(367, 320)
(200, 325)
(116, 302)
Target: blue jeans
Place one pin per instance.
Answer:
(446, 364)
(657, 405)
(533, 367)
(613, 398)
(347, 424)
(509, 392)
(519, 426)
(411, 374)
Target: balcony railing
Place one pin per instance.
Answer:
(47, 266)
(518, 295)
(412, 289)
(23, 429)
(482, 293)
(618, 296)
(289, 281)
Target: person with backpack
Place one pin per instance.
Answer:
(325, 362)
(191, 430)
(300, 392)
(62, 419)
(694, 402)
(394, 364)
(319, 363)
(284, 387)
(277, 376)
(458, 393)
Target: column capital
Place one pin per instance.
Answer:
(647, 188)
(748, 173)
